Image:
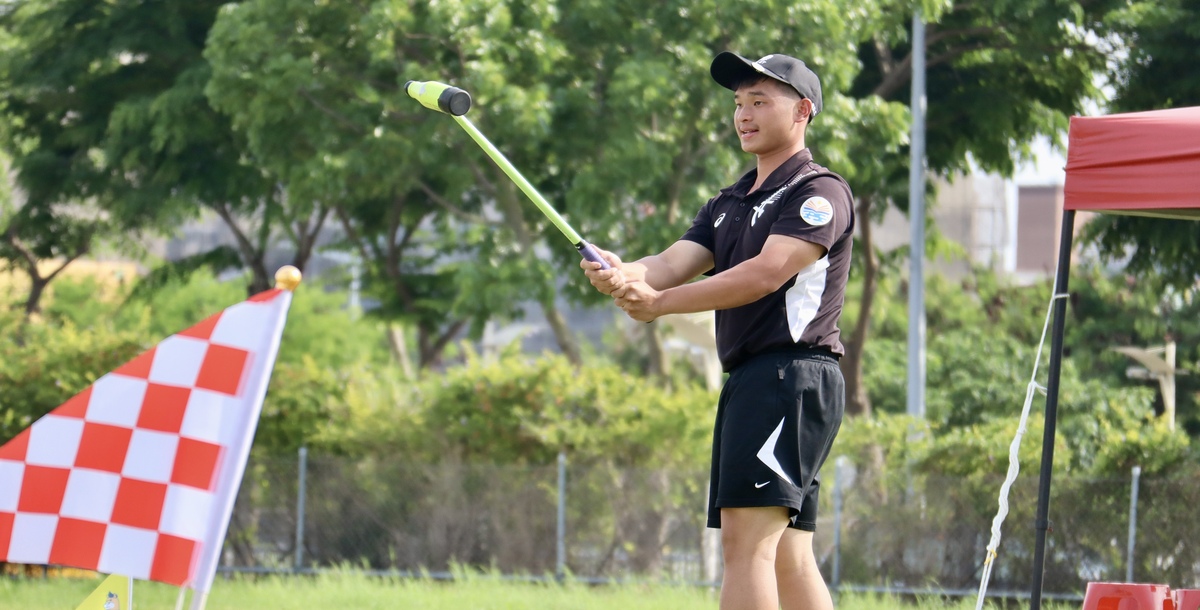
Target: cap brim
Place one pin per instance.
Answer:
(729, 68)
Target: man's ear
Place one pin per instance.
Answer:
(804, 108)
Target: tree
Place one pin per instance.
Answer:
(32, 234)
(317, 88)
(609, 109)
(632, 94)
(1159, 38)
(1156, 72)
(105, 105)
(985, 99)
(32, 237)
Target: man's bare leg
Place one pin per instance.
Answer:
(801, 586)
(749, 540)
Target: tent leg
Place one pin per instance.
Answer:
(1056, 349)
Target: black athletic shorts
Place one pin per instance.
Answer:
(776, 420)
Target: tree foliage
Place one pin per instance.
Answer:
(334, 390)
(984, 334)
(1132, 310)
(317, 90)
(289, 112)
(998, 74)
(513, 408)
(105, 106)
(1156, 72)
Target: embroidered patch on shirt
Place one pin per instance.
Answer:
(817, 211)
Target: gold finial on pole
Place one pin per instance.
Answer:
(287, 278)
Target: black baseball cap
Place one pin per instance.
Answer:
(731, 68)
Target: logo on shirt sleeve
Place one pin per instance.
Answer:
(816, 211)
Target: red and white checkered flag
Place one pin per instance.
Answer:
(137, 474)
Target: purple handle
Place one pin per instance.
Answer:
(589, 252)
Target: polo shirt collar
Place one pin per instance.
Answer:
(777, 179)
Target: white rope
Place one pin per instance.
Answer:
(1014, 462)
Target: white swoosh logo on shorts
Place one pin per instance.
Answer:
(761, 485)
(766, 454)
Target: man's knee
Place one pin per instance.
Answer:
(796, 549)
(752, 531)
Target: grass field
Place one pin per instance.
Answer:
(349, 590)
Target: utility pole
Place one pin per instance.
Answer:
(916, 218)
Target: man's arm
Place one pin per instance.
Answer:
(676, 265)
(782, 257)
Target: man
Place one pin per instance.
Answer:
(776, 245)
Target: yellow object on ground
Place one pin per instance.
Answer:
(112, 594)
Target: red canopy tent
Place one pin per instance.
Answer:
(1144, 163)
(1140, 163)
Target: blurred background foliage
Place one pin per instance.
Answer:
(285, 121)
(337, 388)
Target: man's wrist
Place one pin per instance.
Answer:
(663, 302)
(634, 272)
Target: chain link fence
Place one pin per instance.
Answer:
(600, 523)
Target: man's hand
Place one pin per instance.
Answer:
(606, 281)
(639, 301)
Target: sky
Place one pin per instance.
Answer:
(1046, 169)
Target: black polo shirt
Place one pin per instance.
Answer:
(799, 199)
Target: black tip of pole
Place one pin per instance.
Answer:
(454, 101)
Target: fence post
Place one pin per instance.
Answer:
(560, 563)
(1133, 503)
(839, 470)
(300, 498)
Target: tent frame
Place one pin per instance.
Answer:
(1138, 163)
(1042, 521)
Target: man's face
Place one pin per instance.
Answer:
(769, 117)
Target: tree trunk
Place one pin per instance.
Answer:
(562, 334)
(37, 287)
(858, 402)
(397, 341)
(433, 341)
(260, 278)
(37, 281)
(659, 363)
(305, 232)
(252, 257)
(509, 200)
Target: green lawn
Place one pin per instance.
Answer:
(349, 590)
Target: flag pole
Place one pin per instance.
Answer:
(287, 278)
(130, 596)
(179, 600)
